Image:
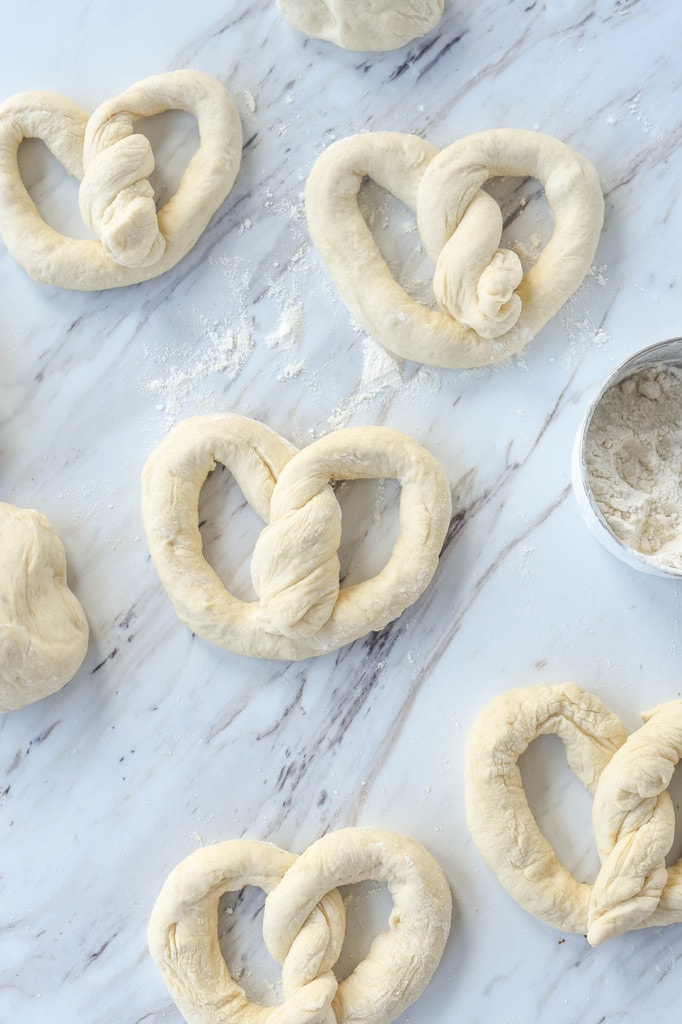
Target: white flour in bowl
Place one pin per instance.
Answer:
(633, 457)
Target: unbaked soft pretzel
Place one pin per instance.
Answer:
(303, 927)
(488, 308)
(633, 815)
(301, 611)
(113, 163)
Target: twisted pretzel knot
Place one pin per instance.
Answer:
(489, 310)
(303, 927)
(134, 242)
(633, 815)
(301, 609)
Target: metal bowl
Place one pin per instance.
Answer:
(665, 353)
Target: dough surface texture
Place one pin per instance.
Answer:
(133, 242)
(364, 25)
(301, 611)
(633, 815)
(489, 309)
(304, 928)
(43, 630)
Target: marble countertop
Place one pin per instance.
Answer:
(163, 742)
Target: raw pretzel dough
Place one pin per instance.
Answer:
(303, 926)
(43, 631)
(134, 242)
(633, 815)
(634, 827)
(489, 309)
(301, 611)
(363, 24)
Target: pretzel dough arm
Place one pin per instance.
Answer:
(395, 162)
(60, 124)
(177, 469)
(501, 822)
(54, 119)
(634, 825)
(171, 486)
(183, 928)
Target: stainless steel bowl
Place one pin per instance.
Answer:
(665, 353)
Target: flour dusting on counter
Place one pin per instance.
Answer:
(225, 350)
(384, 374)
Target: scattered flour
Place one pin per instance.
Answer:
(225, 350)
(581, 330)
(248, 99)
(384, 375)
(288, 333)
(291, 371)
(646, 125)
(528, 253)
(633, 453)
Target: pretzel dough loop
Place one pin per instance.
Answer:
(488, 308)
(304, 927)
(302, 611)
(633, 816)
(133, 241)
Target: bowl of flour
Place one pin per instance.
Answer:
(627, 461)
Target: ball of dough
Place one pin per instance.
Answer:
(363, 24)
(43, 630)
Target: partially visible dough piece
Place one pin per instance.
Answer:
(363, 24)
(634, 827)
(43, 630)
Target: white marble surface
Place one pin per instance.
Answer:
(163, 742)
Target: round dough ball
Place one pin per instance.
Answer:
(363, 24)
(43, 630)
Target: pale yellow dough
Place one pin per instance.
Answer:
(133, 241)
(43, 630)
(301, 611)
(633, 815)
(303, 927)
(363, 24)
(488, 308)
